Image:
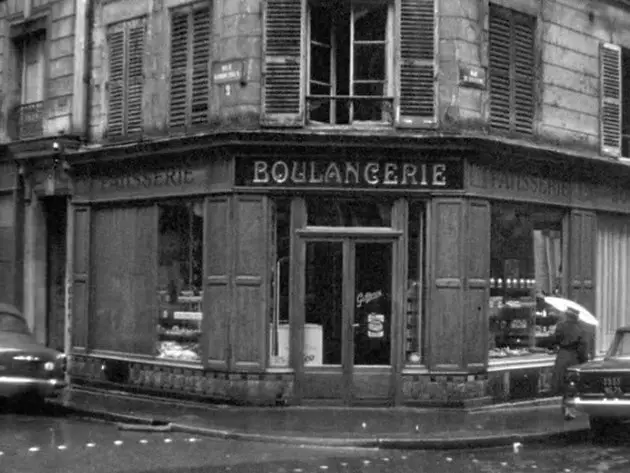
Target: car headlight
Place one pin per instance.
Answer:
(49, 366)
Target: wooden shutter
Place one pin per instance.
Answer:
(512, 70)
(499, 71)
(252, 266)
(135, 78)
(116, 83)
(446, 290)
(80, 277)
(217, 295)
(179, 69)
(477, 289)
(283, 97)
(610, 96)
(417, 64)
(190, 56)
(582, 247)
(523, 64)
(126, 78)
(200, 64)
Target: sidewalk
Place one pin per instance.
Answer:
(407, 428)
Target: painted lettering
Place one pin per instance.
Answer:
(439, 175)
(352, 169)
(364, 298)
(261, 176)
(280, 172)
(333, 174)
(423, 175)
(314, 177)
(371, 171)
(391, 173)
(391, 176)
(409, 174)
(298, 173)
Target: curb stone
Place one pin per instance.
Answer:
(143, 423)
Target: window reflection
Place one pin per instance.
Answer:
(180, 278)
(331, 212)
(414, 329)
(526, 260)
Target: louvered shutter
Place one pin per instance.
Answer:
(200, 64)
(610, 95)
(179, 69)
(523, 34)
(500, 71)
(283, 97)
(417, 64)
(512, 70)
(135, 79)
(116, 83)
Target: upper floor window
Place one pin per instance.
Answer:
(125, 42)
(615, 97)
(350, 63)
(190, 58)
(511, 70)
(32, 71)
(30, 51)
(367, 62)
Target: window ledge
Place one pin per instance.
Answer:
(279, 370)
(143, 359)
(533, 361)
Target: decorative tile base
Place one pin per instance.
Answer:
(145, 377)
(277, 389)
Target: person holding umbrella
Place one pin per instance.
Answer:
(572, 340)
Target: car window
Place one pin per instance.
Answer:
(12, 323)
(623, 347)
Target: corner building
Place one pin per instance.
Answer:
(338, 202)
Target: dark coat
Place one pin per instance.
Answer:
(572, 350)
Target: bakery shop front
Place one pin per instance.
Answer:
(353, 275)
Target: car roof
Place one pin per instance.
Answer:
(11, 309)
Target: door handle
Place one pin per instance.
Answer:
(356, 325)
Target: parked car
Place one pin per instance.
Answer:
(27, 368)
(601, 388)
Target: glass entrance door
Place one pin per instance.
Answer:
(348, 313)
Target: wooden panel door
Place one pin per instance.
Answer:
(252, 275)
(475, 313)
(217, 297)
(446, 288)
(80, 277)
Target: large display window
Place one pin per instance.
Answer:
(137, 249)
(526, 261)
(180, 276)
(613, 273)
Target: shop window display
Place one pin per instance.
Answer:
(180, 276)
(526, 262)
(279, 318)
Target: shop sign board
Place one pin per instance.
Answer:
(141, 183)
(415, 174)
(501, 183)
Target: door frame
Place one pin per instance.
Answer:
(348, 237)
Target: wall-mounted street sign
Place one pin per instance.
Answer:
(367, 173)
(472, 76)
(228, 72)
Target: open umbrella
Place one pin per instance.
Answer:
(561, 304)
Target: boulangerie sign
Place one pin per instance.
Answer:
(393, 174)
